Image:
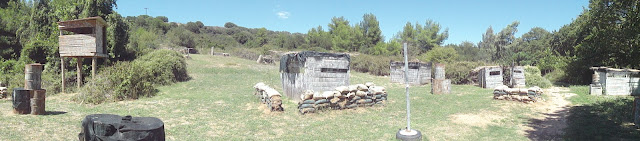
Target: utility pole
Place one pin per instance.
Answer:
(145, 11)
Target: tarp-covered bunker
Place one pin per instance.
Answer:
(490, 76)
(611, 81)
(419, 73)
(315, 71)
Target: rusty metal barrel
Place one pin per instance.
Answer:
(21, 101)
(32, 76)
(37, 102)
(439, 71)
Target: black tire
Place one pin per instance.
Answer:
(416, 137)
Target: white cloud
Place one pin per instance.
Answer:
(283, 14)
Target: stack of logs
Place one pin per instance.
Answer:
(344, 97)
(518, 94)
(3, 92)
(269, 96)
(31, 98)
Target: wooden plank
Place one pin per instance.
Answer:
(78, 45)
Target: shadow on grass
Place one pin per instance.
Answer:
(55, 112)
(603, 120)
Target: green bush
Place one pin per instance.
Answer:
(375, 65)
(533, 77)
(165, 66)
(440, 55)
(460, 72)
(245, 53)
(131, 80)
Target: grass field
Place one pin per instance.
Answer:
(600, 117)
(218, 104)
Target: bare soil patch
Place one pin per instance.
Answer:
(551, 116)
(481, 119)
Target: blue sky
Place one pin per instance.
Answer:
(467, 20)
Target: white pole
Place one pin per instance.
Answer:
(406, 87)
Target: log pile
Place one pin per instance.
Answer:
(269, 96)
(518, 94)
(3, 92)
(344, 97)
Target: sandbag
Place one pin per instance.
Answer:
(362, 101)
(338, 94)
(342, 89)
(328, 94)
(362, 87)
(353, 88)
(369, 104)
(334, 100)
(305, 106)
(356, 98)
(322, 101)
(308, 94)
(310, 101)
(369, 84)
(352, 106)
(361, 93)
(321, 106)
(351, 95)
(317, 96)
(113, 127)
(377, 90)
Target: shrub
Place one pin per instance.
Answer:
(460, 72)
(533, 77)
(440, 55)
(131, 80)
(245, 53)
(165, 66)
(375, 65)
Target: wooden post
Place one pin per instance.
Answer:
(79, 71)
(212, 51)
(62, 72)
(94, 63)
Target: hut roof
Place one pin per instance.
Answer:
(73, 25)
(302, 57)
(614, 69)
(411, 63)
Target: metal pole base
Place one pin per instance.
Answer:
(409, 135)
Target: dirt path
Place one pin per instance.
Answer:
(550, 118)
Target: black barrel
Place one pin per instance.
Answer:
(114, 127)
(21, 101)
